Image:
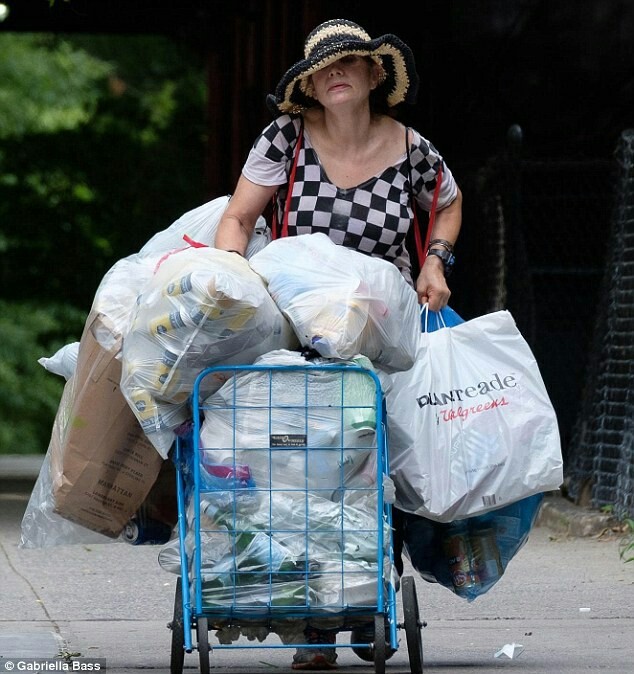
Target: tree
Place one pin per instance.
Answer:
(101, 145)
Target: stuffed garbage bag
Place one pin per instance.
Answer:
(202, 307)
(341, 302)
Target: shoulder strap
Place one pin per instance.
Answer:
(289, 192)
(420, 249)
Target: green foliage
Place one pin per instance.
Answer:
(46, 85)
(29, 394)
(101, 145)
(110, 151)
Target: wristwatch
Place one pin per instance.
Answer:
(448, 259)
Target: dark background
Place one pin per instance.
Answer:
(561, 69)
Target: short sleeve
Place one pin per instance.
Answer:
(269, 160)
(426, 162)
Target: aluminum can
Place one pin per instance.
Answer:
(166, 323)
(237, 319)
(147, 411)
(458, 553)
(145, 531)
(183, 285)
(486, 555)
(204, 314)
(144, 404)
(169, 358)
(162, 375)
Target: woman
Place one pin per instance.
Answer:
(353, 170)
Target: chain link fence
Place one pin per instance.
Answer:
(551, 247)
(602, 463)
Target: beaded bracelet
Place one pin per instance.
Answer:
(441, 242)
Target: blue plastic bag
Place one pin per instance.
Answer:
(428, 546)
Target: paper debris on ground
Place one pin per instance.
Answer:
(510, 650)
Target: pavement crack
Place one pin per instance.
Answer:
(30, 585)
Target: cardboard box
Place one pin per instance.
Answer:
(102, 464)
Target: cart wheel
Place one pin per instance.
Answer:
(380, 647)
(412, 625)
(202, 633)
(177, 656)
(359, 635)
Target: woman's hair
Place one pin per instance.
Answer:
(378, 95)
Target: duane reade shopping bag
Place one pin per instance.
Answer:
(471, 425)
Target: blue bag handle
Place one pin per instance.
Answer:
(434, 320)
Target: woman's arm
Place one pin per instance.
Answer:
(237, 223)
(431, 284)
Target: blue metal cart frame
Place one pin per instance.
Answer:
(194, 613)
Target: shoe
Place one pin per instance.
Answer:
(365, 635)
(316, 659)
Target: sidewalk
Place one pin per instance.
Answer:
(566, 597)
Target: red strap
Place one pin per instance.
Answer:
(289, 192)
(191, 244)
(420, 250)
(291, 182)
(194, 244)
(274, 217)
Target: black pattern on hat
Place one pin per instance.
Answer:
(335, 39)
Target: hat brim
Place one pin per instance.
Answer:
(393, 55)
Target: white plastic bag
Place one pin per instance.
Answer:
(279, 404)
(202, 307)
(200, 225)
(120, 287)
(471, 425)
(341, 302)
(63, 361)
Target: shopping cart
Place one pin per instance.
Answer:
(282, 514)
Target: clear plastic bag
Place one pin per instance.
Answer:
(202, 307)
(341, 302)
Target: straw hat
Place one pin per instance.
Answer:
(335, 39)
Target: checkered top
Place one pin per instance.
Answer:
(373, 217)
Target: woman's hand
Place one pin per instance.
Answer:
(431, 285)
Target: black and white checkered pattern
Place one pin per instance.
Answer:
(373, 217)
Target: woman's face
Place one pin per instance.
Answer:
(350, 79)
